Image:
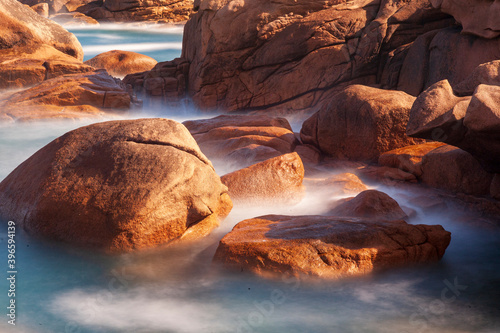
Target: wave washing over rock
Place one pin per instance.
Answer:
(331, 165)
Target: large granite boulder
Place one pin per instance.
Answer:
(275, 181)
(327, 247)
(120, 63)
(117, 186)
(370, 204)
(360, 123)
(454, 169)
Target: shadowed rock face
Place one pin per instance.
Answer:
(477, 17)
(117, 186)
(327, 247)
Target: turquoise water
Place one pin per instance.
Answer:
(60, 289)
(159, 43)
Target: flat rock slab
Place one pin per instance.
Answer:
(327, 247)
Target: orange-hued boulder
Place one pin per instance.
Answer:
(360, 123)
(243, 139)
(327, 247)
(408, 158)
(478, 17)
(117, 186)
(67, 93)
(370, 204)
(22, 67)
(21, 27)
(277, 180)
(456, 170)
(121, 63)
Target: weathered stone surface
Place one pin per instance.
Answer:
(478, 17)
(165, 83)
(41, 9)
(327, 247)
(453, 169)
(437, 114)
(444, 54)
(23, 27)
(360, 123)
(121, 63)
(244, 55)
(276, 180)
(408, 158)
(54, 97)
(370, 204)
(245, 139)
(117, 186)
(487, 73)
(165, 11)
(25, 66)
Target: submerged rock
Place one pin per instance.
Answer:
(117, 186)
(121, 63)
(275, 181)
(370, 204)
(327, 247)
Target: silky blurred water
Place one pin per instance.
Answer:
(160, 43)
(61, 289)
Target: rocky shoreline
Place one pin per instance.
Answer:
(403, 94)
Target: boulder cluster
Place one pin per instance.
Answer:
(394, 93)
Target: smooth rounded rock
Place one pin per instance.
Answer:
(117, 186)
